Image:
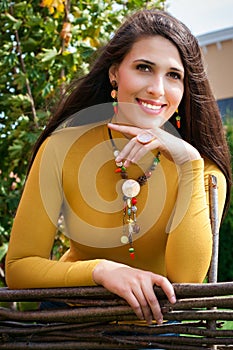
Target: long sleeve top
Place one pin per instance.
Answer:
(73, 176)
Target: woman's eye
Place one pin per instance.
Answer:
(175, 75)
(143, 67)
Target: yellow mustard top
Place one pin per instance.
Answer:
(73, 175)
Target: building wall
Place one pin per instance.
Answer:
(218, 58)
(217, 49)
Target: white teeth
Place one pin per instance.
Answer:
(148, 105)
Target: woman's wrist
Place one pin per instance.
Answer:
(104, 267)
(98, 271)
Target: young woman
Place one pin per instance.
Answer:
(132, 193)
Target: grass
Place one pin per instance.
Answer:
(228, 325)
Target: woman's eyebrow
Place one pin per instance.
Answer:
(154, 64)
(145, 61)
(177, 69)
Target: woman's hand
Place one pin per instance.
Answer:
(172, 147)
(135, 286)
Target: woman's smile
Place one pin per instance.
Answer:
(150, 106)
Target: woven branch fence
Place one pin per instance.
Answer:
(98, 321)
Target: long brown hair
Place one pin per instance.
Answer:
(201, 121)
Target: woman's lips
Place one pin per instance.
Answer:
(149, 105)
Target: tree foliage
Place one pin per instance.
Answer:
(226, 231)
(43, 45)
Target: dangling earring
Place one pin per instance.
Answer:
(114, 96)
(178, 119)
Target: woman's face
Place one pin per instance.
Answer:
(150, 82)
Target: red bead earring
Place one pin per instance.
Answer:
(178, 119)
(114, 96)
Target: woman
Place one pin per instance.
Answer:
(133, 194)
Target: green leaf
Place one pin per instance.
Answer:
(21, 5)
(3, 250)
(48, 55)
(30, 44)
(11, 18)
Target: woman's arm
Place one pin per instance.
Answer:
(189, 244)
(28, 263)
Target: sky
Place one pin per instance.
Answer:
(203, 16)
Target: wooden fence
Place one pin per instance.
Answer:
(99, 320)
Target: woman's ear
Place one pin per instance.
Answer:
(113, 73)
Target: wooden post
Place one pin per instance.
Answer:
(213, 198)
(213, 271)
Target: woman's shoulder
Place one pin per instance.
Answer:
(72, 131)
(67, 136)
(211, 168)
(66, 141)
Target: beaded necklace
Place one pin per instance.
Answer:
(130, 190)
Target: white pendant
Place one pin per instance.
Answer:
(124, 240)
(130, 188)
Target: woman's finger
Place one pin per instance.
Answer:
(144, 306)
(135, 305)
(133, 151)
(166, 286)
(151, 301)
(124, 129)
(129, 149)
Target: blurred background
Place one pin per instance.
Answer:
(212, 22)
(46, 43)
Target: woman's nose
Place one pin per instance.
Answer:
(156, 87)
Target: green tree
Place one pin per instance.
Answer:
(43, 45)
(226, 230)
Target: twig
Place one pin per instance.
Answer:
(29, 91)
(191, 290)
